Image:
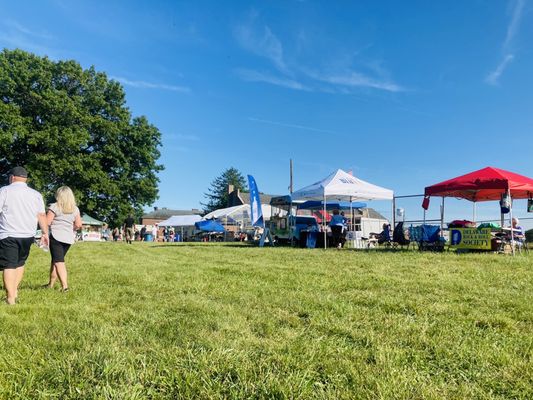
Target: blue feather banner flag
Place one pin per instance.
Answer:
(255, 204)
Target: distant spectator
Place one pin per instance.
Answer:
(337, 225)
(143, 233)
(116, 234)
(129, 224)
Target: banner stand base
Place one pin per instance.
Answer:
(266, 234)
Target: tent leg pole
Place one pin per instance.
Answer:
(351, 212)
(442, 218)
(474, 212)
(511, 217)
(324, 221)
(393, 212)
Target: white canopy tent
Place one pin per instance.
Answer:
(340, 185)
(184, 222)
(181, 220)
(240, 213)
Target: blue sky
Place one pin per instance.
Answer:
(406, 94)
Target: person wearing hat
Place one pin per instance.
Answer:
(21, 208)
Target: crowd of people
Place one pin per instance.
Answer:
(21, 209)
(130, 233)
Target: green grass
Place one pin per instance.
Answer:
(223, 321)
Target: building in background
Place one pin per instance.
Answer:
(162, 214)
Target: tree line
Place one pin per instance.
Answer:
(71, 126)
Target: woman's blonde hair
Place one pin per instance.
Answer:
(65, 200)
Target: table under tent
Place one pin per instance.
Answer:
(487, 184)
(341, 186)
(183, 226)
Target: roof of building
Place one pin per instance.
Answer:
(165, 213)
(237, 198)
(370, 213)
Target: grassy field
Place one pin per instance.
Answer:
(230, 321)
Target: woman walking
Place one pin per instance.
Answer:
(64, 219)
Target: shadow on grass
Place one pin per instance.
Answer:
(199, 244)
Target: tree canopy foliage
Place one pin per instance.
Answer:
(218, 196)
(71, 126)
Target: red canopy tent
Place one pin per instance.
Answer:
(483, 185)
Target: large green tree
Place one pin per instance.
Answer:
(217, 195)
(71, 126)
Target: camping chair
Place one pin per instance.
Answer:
(521, 245)
(415, 235)
(431, 239)
(400, 236)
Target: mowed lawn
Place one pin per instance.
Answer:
(209, 321)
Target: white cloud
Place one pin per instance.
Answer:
(508, 56)
(285, 125)
(357, 79)
(256, 76)
(512, 29)
(150, 85)
(494, 76)
(262, 42)
(15, 35)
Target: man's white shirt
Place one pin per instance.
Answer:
(19, 207)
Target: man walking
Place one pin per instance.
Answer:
(128, 228)
(20, 209)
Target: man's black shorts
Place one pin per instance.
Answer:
(14, 251)
(58, 249)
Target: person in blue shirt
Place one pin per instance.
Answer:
(337, 225)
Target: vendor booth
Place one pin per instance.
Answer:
(487, 184)
(237, 218)
(341, 186)
(211, 229)
(91, 230)
(183, 225)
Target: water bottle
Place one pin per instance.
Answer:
(43, 247)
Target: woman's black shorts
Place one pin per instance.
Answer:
(58, 250)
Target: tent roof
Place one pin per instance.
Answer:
(88, 220)
(330, 205)
(227, 212)
(181, 220)
(223, 212)
(342, 186)
(483, 185)
(209, 226)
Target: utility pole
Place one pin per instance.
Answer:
(290, 185)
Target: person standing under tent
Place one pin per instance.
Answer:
(63, 217)
(21, 208)
(337, 225)
(129, 224)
